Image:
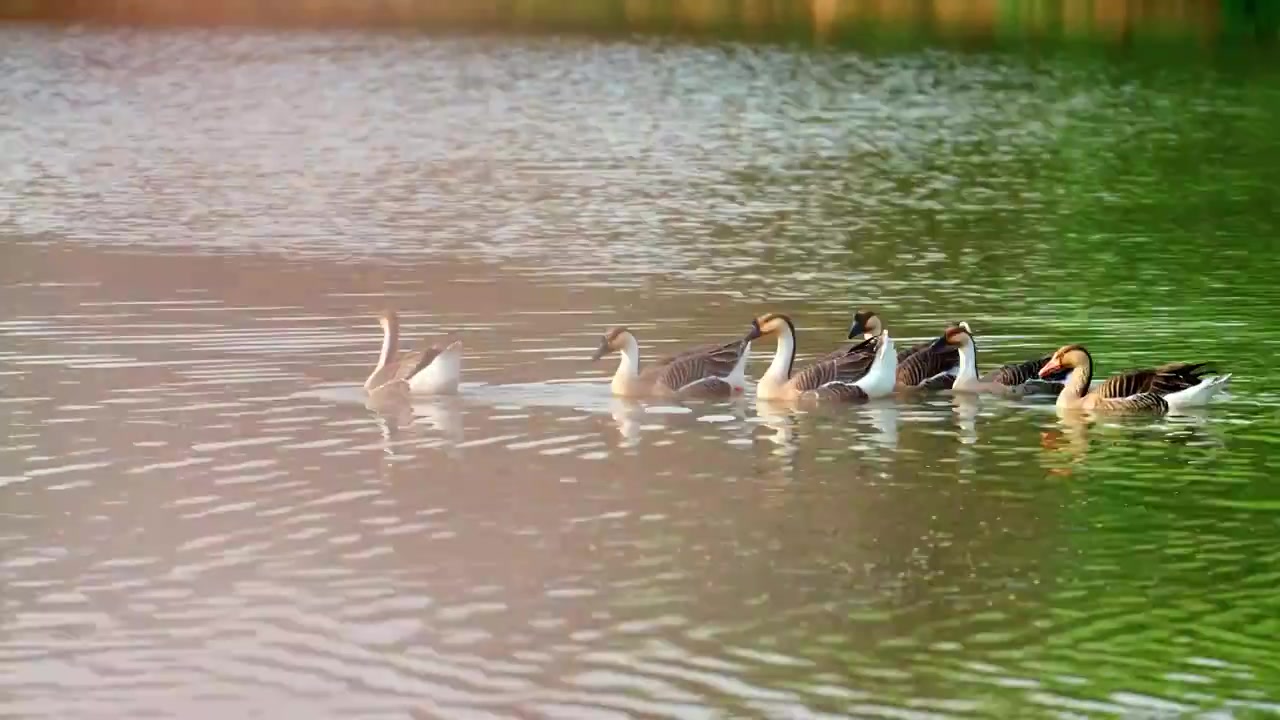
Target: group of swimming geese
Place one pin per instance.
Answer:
(867, 369)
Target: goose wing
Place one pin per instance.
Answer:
(698, 350)
(1139, 402)
(1172, 377)
(846, 368)
(868, 347)
(415, 361)
(1162, 380)
(861, 346)
(1018, 373)
(1036, 386)
(693, 366)
(836, 392)
(903, 353)
(924, 365)
(907, 352)
(709, 387)
(939, 382)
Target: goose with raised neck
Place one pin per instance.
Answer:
(1010, 379)
(431, 370)
(861, 372)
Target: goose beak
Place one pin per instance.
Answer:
(602, 350)
(754, 333)
(1050, 368)
(857, 328)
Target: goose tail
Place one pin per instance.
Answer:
(1200, 393)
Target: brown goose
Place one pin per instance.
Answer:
(1158, 389)
(1013, 379)
(432, 370)
(705, 371)
(920, 367)
(861, 372)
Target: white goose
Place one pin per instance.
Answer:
(852, 376)
(432, 370)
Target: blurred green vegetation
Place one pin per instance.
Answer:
(1205, 23)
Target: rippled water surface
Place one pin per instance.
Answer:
(201, 517)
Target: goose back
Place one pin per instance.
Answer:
(1162, 380)
(841, 368)
(696, 371)
(925, 365)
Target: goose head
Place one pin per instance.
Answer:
(953, 336)
(1067, 357)
(865, 323)
(770, 325)
(615, 339)
(388, 319)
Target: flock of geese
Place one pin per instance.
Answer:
(863, 370)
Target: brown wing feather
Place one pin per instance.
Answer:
(1127, 383)
(1162, 380)
(867, 348)
(835, 393)
(925, 364)
(712, 387)
(1035, 386)
(846, 369)
(938, 383)
(871, 351)
(698, 350)
(905, 353)
(412, 363)
(1017, 373)
(1141, 402)
(710, 361)
(1172, 377)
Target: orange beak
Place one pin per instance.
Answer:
(1050, 368)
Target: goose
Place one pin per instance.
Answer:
(432, 370)
(920, 367)
(852, 375)
(1160, 389)
(1011, 379)
(705, 371)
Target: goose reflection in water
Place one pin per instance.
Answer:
(394, 411)
(632, 417)
(628, 416)
(966, 407)
(398, 411)
(781, 418)
(392, 403)
(885, 417)
(443, 416)
(1077, 432)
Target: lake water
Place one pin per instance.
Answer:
(201, 518)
